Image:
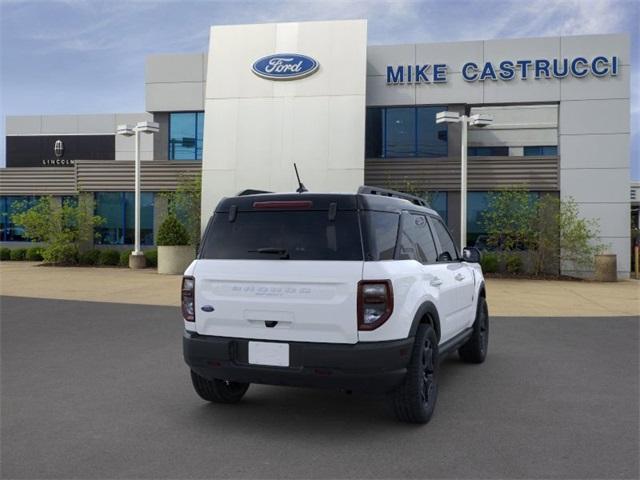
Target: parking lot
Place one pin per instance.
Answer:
(99, 390)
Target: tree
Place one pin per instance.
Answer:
(508, 219)
(184, 203)
(61, 227)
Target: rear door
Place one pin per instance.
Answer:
(280, 274)
(458, 276)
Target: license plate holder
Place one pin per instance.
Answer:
(271, 354)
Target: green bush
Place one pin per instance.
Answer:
(109, 257)
(34, 254)
(90, 257)
(172, 232)
(18, 254)
(60, 254)
(5, 253)
(152, 258)
(489, 262)
(513, 263)
(124, 258)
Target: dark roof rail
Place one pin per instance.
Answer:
(392, 193)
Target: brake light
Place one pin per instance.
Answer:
(293, 204)
(188, 299)
(375, 303)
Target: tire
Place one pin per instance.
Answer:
(475, 349)
(218, 391)
(414, 401)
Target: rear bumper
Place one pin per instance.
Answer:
(366, 367)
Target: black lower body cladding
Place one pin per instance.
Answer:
(374, 367)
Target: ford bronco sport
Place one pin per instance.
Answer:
(361, 292)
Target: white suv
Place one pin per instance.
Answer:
(363, 292)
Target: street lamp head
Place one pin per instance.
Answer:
(126, 130)
(148, 127)
(447, 117)
(480, 120)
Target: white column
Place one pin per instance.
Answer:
(463, 184)
(136, 250)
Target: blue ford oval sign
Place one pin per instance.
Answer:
(285, 66)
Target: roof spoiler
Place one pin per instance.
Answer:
(251, 191)
(392, 193)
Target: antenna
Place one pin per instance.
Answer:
(301, 188)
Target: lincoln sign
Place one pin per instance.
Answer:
(506, 70)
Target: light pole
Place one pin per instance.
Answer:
(477, 120)
(136, 259)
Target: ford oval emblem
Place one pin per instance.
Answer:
(285, 66)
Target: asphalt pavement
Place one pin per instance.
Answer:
(99, 390)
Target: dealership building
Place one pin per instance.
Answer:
(267, 95)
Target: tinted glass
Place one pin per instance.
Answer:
(446, 242)
(400, 129)
(11, 232)
(118, 211)
(438, 202)
(373, 135)
(416, 241)
(432, 137)
(294, 235)
(488, 151)
(185, 135)
(541, 151)
(382, 233)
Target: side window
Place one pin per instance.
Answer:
(449, 252)
(416, 241)
(382, 234)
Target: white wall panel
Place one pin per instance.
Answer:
(256, 128)
(590, 46)
(594, 117)
(595, 151)
(453, 54)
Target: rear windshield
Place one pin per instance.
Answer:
(286, 235)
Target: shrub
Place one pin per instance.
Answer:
(34, 254)
(489, 262)
(60, 254)
(185, 204)
(18, 254)
(172, 232)
(61, 227)
(152, 258)
(109, 257)
(90, 257)
(124, 258)
(513, 263)
(5, 253)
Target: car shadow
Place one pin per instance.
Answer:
(284, 410)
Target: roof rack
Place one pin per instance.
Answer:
(392, 193)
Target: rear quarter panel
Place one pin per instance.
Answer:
(411, 289)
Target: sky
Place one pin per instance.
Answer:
(88, 56)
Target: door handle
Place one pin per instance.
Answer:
(435, 282)
(459, 277)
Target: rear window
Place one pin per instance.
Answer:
(292, 235)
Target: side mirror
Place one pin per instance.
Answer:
(471, 255)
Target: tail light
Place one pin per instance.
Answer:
(375, 303)
(188, 299)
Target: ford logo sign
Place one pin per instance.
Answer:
(285, 66)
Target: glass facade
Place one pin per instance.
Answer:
(477, 203)
(9, 231)
(117, 209)
(405, 132)
(541, 151)
(185, 135)
(488, 151)
(438, 202)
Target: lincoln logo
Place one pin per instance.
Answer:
(285, 66)
(58, 148)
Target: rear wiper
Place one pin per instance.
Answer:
(284, 254)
